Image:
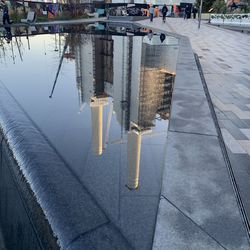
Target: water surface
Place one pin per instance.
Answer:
(102, 95)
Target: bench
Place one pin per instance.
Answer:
(30, 17)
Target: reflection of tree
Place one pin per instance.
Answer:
(77, 8)
(75, 39)
(2, 48)
(8, 44)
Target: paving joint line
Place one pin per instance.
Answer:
(185, 215)
(85, 233)
(191, 133)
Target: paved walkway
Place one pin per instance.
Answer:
(225, 59)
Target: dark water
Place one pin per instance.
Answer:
(102, 96)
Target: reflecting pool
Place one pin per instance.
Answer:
(101, 94)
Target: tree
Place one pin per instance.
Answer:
(219, 6)
(206, 5)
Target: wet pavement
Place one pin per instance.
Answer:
(224, 56)
(104, 173)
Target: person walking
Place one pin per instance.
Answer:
(186, 12)
(5, 12)
(164, 11)
(151, 12)
(194, 11)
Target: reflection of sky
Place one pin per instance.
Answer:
(31, 80)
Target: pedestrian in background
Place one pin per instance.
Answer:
(151, 12)
(186, 12)
(194, 11)
(164, 11)
(8, 35)
(5, 12)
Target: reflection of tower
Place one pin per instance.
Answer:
(143, 80)
(134, 155)
(94, 65)
(97, 121)
(78, 66)
(151, 92)
(123, 67)
(94, 69)
(156, 82)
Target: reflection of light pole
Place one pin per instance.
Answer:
(28, 39)
(13, 55)
(199, 22)
(56, 49)
(20, 54)
(59, 68)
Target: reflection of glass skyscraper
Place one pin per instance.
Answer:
(94, 65)
(151, 96)
(138, 75)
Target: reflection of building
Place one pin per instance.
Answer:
(143, 79)
(94, 56)
(138, 75)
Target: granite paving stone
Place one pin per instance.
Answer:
(177, 231)
(190, 113)
(199, 186)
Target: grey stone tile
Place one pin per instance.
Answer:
(187, 79)
(175, 231)
(139, 228)
(247, 122)
(236, 120)
(190, 113)
(232, 144)
(196, 180)
(186, 66)
(233, 129)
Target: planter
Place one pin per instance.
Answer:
(231, 19)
